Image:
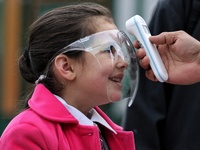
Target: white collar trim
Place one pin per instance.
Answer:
(82, 119)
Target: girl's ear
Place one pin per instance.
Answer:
(64, 67)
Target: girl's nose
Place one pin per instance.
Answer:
(121, 63)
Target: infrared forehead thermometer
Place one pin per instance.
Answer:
(137, 26)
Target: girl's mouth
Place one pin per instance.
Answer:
(118, 78)
(115, 79)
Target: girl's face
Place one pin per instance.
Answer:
(99, 79)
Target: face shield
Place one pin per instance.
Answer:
(116, 46)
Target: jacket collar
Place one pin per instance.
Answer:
(44, 103)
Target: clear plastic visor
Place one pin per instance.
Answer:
(116, 46)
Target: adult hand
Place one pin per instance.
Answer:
(180, 53)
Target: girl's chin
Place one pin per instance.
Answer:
(115, 97)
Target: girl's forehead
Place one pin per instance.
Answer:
(104, 24)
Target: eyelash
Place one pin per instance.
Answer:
(109, 49)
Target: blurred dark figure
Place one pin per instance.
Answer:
(166, 116)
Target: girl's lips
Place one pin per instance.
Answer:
(114, 79)
(117, 78)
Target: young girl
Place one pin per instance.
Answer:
(77, 59)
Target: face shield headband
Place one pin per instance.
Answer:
(116, 45)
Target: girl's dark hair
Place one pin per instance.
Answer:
(53, 31)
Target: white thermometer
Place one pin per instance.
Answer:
(137, 26)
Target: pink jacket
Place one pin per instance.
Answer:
(48, 125)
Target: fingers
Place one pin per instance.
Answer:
(145, 64)
(136, 44)
(140, 53)
(158, 39)
(166, 37)
(150, 75)
(144, 61)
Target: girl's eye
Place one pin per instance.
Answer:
(110, 49)
(107, 51)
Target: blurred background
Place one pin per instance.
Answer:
(15, 18)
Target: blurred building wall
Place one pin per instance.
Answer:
(16, 16)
